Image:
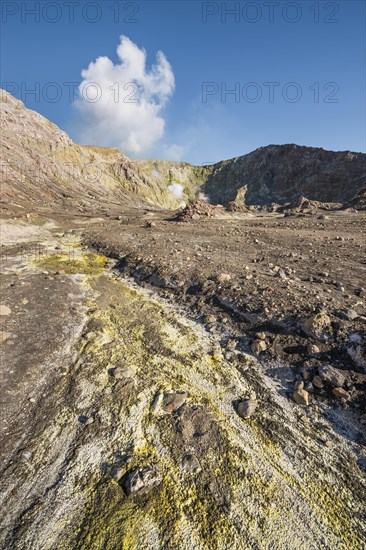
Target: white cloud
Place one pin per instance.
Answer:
(177, 189)
(120, 104)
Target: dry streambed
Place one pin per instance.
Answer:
(136, 440)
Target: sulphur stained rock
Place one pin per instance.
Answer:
(191, 464)
(140, 480)
(318, 326)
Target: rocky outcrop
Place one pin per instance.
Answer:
(358, 202)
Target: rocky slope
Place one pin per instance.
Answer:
(280, 173)
(41, 167)
(272, 174)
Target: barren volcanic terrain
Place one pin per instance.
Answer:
(187, 378)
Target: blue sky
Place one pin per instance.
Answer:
(310, 51)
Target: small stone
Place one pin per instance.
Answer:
(318, 326)
(4, 310)
(26, 455)
(318, 382)
(5, 336)
(150, 224)
(299, 385)
(281, 274)
(247, 407)
(258, 346)
(357, 351)
(25, 301)
(32, 400)
(210, 319)
(341, 393)
(301, 397)
(173, 401)
(60, 272)
(191, 464)
(349, 314)
(248, 277)
(120, 373)
(224, 277)
(140, 480)
(333, 376)
(261, 335)
(312, 350)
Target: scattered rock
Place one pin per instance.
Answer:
(173, 401)
(281, 274)
(121, 373)
(191, 464)
(223, 277)
(341, 393)
(318, 326)
(348, 314)
(312, 350)
(257, 346)
(25, 455)
(210, 319)
(356, 349)
(199, 209)
(301, 397)
(140, 480)
(5, 336)
(333, 376)
(247, 407)
(318, 382)
(4, 310)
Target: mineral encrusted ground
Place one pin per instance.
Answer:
(121, 414)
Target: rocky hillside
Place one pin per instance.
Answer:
(276, 173)
(281, 173)
(41, 167)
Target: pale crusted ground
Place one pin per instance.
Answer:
(283, 478)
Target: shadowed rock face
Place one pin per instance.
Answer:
(280, 173)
